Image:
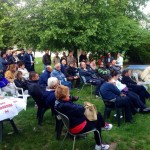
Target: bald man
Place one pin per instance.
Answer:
(45, 75)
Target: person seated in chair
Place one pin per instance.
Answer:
(21, 82)
(63, 65)
(102, 70)
(90, 77)
(109, 91)
(45, 75)
(114, 67)
(71, 75)
(21, 67)
(60, 76)
(78, 122)
(133, 86)
(135, 99)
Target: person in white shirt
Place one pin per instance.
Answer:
(21, 67)
(120, 60)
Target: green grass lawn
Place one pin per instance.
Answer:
(31, 137)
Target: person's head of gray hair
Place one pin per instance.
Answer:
(52, 83)
(57, 66)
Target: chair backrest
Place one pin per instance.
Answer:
(83, 79)
(64, 119)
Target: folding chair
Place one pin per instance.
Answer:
(111, 105)
(83, 80)
(66, 123)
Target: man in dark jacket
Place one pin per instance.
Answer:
(4, 61)
(63, 65)
(29, 60)
(21, 54)
(90, 77)
(45, 75)
(133, 86)
(46, 59)
(71, 75)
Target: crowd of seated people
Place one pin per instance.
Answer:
(55, 83)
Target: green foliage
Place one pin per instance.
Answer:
(93, 25)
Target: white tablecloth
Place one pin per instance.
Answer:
(10, 107)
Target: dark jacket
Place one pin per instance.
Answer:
(128, 81)
(49, 97)
(82, 57)
(88, 74)
(36, 91)
(27, 61)
(70, 72)
(21, 83)
(44, 77)
(5, 63)
(20, 56)
(63, 68)
(115, 68)
(46, 59)
(106, 60)
(109, 91)
(74, 112)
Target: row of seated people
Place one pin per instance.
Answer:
(67, 74)
(132, 99)
(110, 89)
(15, 74)
(57, 97)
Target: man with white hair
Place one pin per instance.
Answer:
(60, 76)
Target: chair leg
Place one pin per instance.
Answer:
(74, 140)
(118, 116)
(0, 131)
(91, 90)
(14, 126)
(100, 137)
(59, 127)
(63, 140)
(82, 88)
(107, 112)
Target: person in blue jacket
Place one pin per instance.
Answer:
(109, 91)
(28, 59)
(60, 76)
(45, 75)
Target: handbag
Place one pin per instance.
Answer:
(90, 111)
(3, 82)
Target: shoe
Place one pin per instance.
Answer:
(96, 96)
(102, 147)
(145, 110)
(115, 115)
(107, 127)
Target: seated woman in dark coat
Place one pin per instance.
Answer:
(20, 82)
(75, 112)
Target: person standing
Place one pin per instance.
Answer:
(108, 59)
(71, 58)
(21, 54)
(119, 60)
(29, 60)
(56, 59)
(46, 59)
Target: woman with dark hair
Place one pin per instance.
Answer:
(20, 81)
(78, 121)
(21, 67)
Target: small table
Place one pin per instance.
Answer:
(9, 108)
